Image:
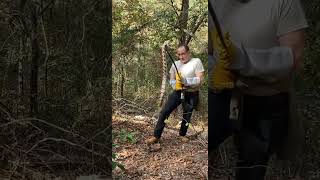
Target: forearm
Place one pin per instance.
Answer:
(273, 63)
(195, 81)
(172, 80)
(172, 76)
(201, 77)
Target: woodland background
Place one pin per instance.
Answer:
(55, 82)
(55, 87)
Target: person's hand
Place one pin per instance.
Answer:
(177, 84)
(172, 82)
(222, 77)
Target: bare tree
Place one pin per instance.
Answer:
(183, 21)
(35, 61)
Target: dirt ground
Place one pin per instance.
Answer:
(169, 159)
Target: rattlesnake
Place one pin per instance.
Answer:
(164, 73)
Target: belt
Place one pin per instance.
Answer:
(192, 92)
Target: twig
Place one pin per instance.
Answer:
(96, 135)
(4, 43)
(174, 8)
(131, 104)
(6, 110)
(65, 141)
(45, 163)
(46, 7)
(19, 121)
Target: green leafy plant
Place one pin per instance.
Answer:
(116, 164)
(124, 136)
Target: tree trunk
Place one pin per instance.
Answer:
(20, 68)
(196, 26)
(20, 78)
(5, 74)
(34, 63)
(183, 21)
(122, 80)
(46, 59)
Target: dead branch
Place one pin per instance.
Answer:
(65, 141)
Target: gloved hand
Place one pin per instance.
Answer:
(222, 77)
(179, 82)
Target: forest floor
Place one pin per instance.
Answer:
(173, 159)
(168, 159)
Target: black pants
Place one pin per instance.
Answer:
(263, 130)
(190, 102)
(220, 126)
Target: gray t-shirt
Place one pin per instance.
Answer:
(258, 24)
(188, 70)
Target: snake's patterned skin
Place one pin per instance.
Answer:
(164, 72)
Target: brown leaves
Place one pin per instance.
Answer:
(169, 159)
